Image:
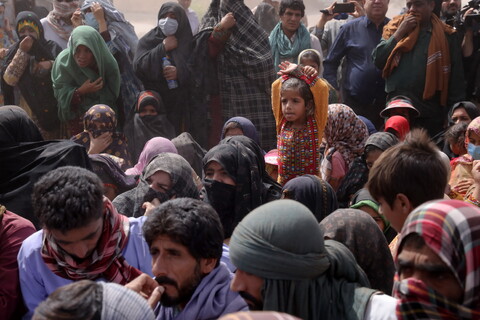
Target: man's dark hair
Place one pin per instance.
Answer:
(68, 198)
(293, 5)
(189, 222)
(413, 168)
(77, 301)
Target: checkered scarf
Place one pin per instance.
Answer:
(106, 261)
(245, 68)
(451, 229)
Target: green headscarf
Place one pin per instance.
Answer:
(67, 76)
(282, 243)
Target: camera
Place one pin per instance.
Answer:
(342, 7)
(474, 16)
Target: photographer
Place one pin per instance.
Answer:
(450, 12)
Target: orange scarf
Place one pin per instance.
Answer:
(438, 60)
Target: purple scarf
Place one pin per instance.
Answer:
(212, 299)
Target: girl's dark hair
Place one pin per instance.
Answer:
(311, 55)
(303, 89)
(456, 133)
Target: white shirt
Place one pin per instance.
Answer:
(50, 34)
(193, 19)
(381, 307)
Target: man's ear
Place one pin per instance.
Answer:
(207, 265)
(405, 204)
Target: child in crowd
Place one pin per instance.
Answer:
(461, 179)
(398, 126)
(455, 137)
(345, 135)
(300, 104)
(312, 58)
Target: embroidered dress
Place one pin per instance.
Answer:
(298, 150)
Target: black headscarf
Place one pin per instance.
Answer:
(315, 193)
(16, 126)
(241, 164)
(272, 187)
(139, 130)
(188, 148)
(150, 50)
(472, 110)
(25, 158)
(36, 89)
(110, 172)
(183, 186)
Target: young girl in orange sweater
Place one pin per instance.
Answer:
(300, 107)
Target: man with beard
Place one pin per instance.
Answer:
(83, 237)
(421, 58)
(185, 237)
(285, 265)
(450, 11)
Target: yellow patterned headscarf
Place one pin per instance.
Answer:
(28, 23)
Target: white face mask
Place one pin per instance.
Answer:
(168, 26)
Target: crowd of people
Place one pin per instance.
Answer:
(241, 165)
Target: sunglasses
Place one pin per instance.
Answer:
(65, 0)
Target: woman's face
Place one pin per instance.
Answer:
(148, 110)
(84, 57)
(460, 115)
(215, 171)
(27, 31)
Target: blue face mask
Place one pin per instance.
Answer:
(91, 21)
(474, 151)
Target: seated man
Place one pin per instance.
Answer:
(83, 237)
(283, 264)
(437, 262)
(185, 237)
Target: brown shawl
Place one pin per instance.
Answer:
(438, 61)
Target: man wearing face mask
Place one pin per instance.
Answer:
(27, 66)
(57, 24)
(172, 40)
(167, 176)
